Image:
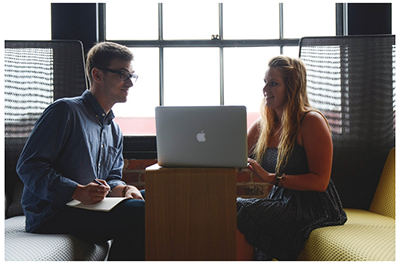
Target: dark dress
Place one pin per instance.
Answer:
(278, 226)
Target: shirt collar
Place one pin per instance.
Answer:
(99, 111)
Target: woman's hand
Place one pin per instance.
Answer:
(259, 172)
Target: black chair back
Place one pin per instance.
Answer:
(351, 80)
(35, 74)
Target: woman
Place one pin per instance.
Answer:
(291, 147)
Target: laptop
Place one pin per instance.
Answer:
(201, 136)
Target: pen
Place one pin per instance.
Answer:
(99, 183)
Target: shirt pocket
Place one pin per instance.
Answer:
(109, 158)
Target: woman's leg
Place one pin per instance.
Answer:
(244, 251)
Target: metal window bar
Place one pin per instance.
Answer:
(219, 42)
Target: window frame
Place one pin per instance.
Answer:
(148, 148)
(217, 42)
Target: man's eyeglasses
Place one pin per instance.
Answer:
(123, 75)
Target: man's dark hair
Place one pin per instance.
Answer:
(101, 55)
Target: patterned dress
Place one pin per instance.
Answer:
(278, 226)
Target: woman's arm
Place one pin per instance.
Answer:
(252, 136)
(316, 139)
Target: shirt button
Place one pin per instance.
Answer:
(102, 145)
(103, 114)
(99, 164)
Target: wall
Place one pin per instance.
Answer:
(369, 18)
(134, 173)
(67, 20)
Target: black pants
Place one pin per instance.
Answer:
(125, 224)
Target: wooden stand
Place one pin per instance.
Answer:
(190, 214)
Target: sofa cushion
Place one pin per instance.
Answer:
(366, 236)
(23, 246)
(384, 199)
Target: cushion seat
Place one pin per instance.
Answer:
(366, 236)
(23, 246)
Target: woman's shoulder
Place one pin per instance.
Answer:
(311, 116)
(253, 133)
(258, 121)
(314, 120)
(255, 126)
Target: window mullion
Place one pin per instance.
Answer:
(221, 67)
(345, 20)
(160, 22)
(161, 52)
(221, 20)
(221, 54)
(281, 33)
(101, 22)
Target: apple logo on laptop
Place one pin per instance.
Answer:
(201, 137)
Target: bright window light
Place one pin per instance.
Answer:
(191, 76)
(251, 20)
(27, 20)
(136, 116)
(190, 20)
(244, 70)
(306, 19)
(128, 20)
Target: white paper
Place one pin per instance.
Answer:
(105, 205)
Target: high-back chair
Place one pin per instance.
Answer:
(351, 80)
(35, 74)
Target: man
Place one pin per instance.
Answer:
(76, 143)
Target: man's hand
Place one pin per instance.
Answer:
(133, 192)
(126, 191)
(91, 193)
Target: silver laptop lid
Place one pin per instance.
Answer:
(201, 136)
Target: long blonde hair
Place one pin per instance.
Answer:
(293, 72)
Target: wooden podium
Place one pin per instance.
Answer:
(190, 214)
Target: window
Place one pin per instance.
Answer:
(252, 20)
(188, 20)
(137, 115)
(23, 24)
(206, 53)
(302, 19)
(243, 84)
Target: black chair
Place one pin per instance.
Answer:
(36, 74)
(351, 80)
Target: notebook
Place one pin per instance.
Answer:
(201, 136)
(104, 205)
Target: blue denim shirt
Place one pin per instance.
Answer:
(74, 141)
